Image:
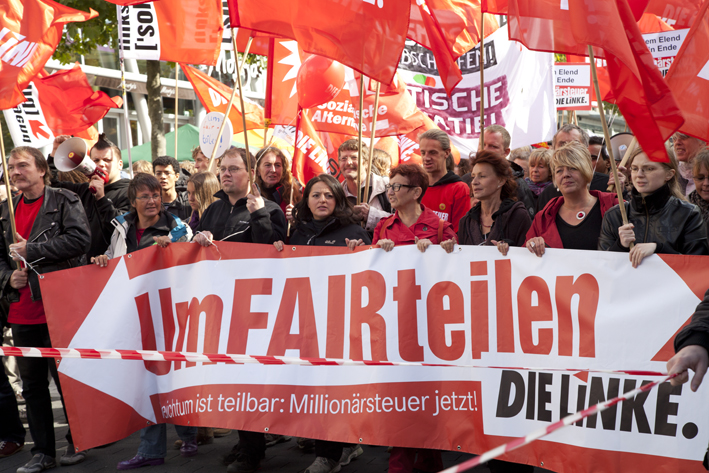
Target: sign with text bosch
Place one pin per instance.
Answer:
(572, 86)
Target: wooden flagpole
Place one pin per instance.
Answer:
(231, 99)
(243, 113)
(359, 139)
(177, 94)
(6, 175)
(481, 142)
(607, 137)
(371, 143)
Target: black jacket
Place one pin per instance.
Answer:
(524, 193)
(100, 212)
(235, 223)
(333, 233)
(697, 332)
(675, 225)
(180, 206)
(510, 224)
(59, 239)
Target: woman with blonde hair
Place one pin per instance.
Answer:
(201, 188)
(274, 179)
(660, 220)
(539, 171)
(574, 220)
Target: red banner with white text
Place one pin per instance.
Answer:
(542, 318)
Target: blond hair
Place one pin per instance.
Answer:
(573, 155)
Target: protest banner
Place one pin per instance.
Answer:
(572, 86)
(568, 311)
(519, 92)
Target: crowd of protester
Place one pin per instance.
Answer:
(536, 198)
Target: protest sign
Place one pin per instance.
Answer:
(567, 311)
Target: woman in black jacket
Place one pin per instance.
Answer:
(324, 217)
(498, 218)
(660, 220)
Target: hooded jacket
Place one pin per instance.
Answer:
(332, 233)
(124, 239)
(544, 223)
(59, 239)
(676, 226)
(392, 228)
(449, 198)
(100, 212)
(509, 224)
(229, 222)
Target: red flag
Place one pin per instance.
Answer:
(187, 31)
(69, 102)
(494, 6)
(678, 14)
(130, 2)
(215, 97)
(689, 77)
(650, 23)
(643, 97)
(367, 35)
(30, 31)
(259, 45)
(310, 157)
(449, 28)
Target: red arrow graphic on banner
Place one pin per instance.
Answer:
(37, 130)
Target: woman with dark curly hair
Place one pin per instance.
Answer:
(274, 178)
(326, 218)
(497, 218)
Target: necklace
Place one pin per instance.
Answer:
(581, 215)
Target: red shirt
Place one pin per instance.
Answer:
(139, 234)
(392, 228)
(449, 198)
(26, 311)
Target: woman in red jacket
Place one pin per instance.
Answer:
(412, 223)
(574, 220)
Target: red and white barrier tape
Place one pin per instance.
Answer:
(152, 355)
(537, 434)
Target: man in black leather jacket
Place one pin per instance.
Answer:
(52, 234)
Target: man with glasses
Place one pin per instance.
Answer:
(686, 149)
(167, 170)
(378, 206)
(241, 216)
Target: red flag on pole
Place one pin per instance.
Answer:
(30, 31)
(678, 14)
(367, 35)
(215, 97)
(689, 77)
(494, 6)
(130, 2)
(569, 27)
(70, 104)
(310, 157)
(187, 31)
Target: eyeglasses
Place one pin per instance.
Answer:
(397, 187)
(231, 169)
(164, 173)
(148, 198)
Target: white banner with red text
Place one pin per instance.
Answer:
(540, 320)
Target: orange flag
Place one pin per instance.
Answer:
(494, 6)
(30, 31)
(367, 35)
(187, 31)
(70, 104)
(310, 157)
(449, 28)
(689, 77)
(215, 97)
